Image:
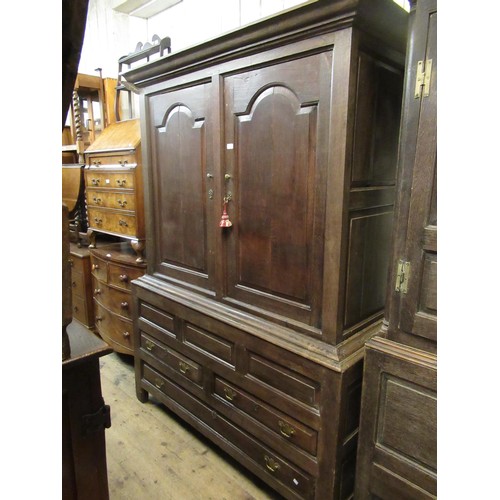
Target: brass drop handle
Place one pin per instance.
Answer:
(123, 277)
(124, 305)
(95, 267)
(123, 162)
(71, 263)
(97, 200)
(121, 203)
(149, 345)
(229, 393)
(97, 291)
(95, 182)
(121, 182)
(96, 162)
(73, 284)
(159, 383)
(122, 223)
(271, 464)
(183, 367)
(286, 429)
(126, 335)
(97, 221)
(99, 318)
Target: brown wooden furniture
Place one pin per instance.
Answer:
(397, 440)
(73, 194)
(84, 418)
(254, 332)
(114, 186)
(81, 286)
(114, 266)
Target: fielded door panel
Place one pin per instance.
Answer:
(276, 132)
(181, 158)
(419, 304)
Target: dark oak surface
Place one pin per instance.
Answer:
(397, 453)
(254, 333)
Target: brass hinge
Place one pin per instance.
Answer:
(403, 276)
(424, 71)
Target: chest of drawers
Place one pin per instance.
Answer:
(81, 286)
(114, 188)
(113, 268)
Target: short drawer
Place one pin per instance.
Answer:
(114, 329)
(111, 160)
(77, 284)
(99, 268)
(111, 199)
(112, 222)
(76, 264)
(117, 301)
(112, 179)
(286, 427)
(177, 362)
(79, 309)
(121, 276)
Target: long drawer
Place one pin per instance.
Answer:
(115, 330)
(258, 457)
(117, 301)
(119, 199)
(117, 222)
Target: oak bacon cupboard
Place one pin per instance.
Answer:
(254, 332)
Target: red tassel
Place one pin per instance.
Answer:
(224, 221)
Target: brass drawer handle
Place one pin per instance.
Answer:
(159, 383)
(97, 291)
(73, 284)
(75, 308)
(123, 277)
(183, 367)
(286, 429)
(124, 305)
(99, 318)
(121, 182)
(96, 162)
(271, 464)
(95, 267)
(126, 335)
(122, 223)
(229, 393)
(95, 182)
(149, 345)
(97, 221)
(71, 263)
(122, 162)
(122, 203)
(97, 201)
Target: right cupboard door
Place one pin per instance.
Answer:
(276, 133)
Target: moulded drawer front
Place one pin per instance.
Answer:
(79, 309)
(179, 363)
(76, 264)
(288, 428)
(120, 159)
(121, 276)
(77, 284)
(113, 222)
(110, 179)
(112, 327)
(111, 199)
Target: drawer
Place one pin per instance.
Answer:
(264, 461)
(112, 222)
(119, 199)
(77, 284)
(186, 367)
(111, 160)
(76, 264)
(117, 301)
(115, 330)
(99, 268)
(79, 309)
(110, 179)
(121, 276)
(286, 427)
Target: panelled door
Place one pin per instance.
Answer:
(182, 172)
(276, 132)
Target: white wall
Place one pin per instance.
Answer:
(110, 35)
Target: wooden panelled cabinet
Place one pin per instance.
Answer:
(114, 186)
(397, 439)
(81, 286)
(253, 332)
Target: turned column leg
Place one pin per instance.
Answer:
(138, 246)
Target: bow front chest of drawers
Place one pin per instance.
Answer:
(251, 326)
(114, 186)
(114, 266)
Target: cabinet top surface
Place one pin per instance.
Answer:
(383, 19)
(118, 136)
(121, 253)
